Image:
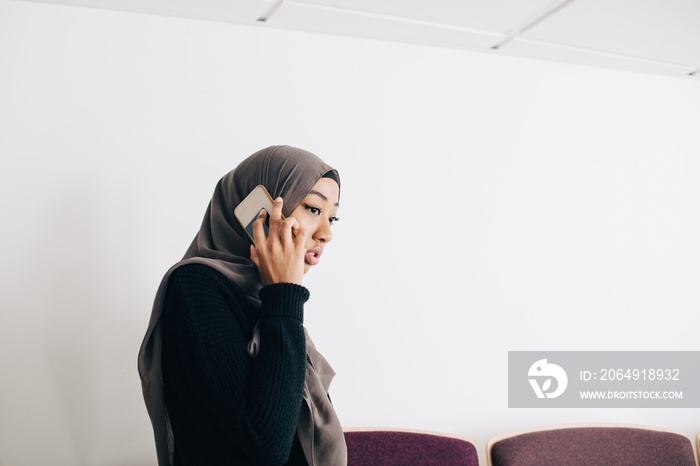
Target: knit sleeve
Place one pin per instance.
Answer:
(253, 402)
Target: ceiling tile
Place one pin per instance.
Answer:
(301, 16)
(552, 51)
(643, 35)
(667, 30)
(238, 11)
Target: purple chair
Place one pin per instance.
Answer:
(598, 445)
(394, 447)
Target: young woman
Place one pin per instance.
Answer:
(228, 373)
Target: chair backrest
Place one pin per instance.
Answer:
(394, 447)
(599, 445)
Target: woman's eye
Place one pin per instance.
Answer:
(313, 210)
(332, 220)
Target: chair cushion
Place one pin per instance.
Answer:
(388, 448)
(600, 446)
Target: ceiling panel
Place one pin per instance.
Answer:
(301, 16)
(557, 52)
(237, 11)
(667, 31)
(656, 36)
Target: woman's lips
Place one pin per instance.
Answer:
(313, 256)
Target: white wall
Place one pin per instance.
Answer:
(489, 204)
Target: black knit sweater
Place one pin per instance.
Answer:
(225, 407)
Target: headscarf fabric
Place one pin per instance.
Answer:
(223, 244)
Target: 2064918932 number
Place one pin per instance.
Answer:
(640, 374)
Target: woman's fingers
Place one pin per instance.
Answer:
(288, 226)
(284, 229)
(276, 217)
(259, 227)
(254, 256)
(279, 255)
(300, 239)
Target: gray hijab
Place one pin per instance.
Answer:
(222, 244)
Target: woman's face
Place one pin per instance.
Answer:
(316, 214)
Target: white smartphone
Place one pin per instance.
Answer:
(247, 211)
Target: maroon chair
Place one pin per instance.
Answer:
(395, 447)
(598, 445)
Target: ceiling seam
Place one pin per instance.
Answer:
(263, 18)
(398, 19)
(529, 24)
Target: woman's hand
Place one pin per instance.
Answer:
(279, 256)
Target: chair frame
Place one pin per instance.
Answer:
(494, 440)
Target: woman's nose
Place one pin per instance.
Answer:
(323, 232)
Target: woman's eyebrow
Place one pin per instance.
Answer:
(322, 196)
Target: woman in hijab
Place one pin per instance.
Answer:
(228, 372)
